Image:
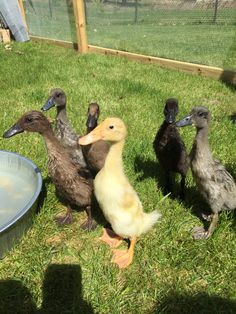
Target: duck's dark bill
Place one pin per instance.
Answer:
(15, 129)
(49, 104)
(170, 117)
(185, 121)
(91, 122)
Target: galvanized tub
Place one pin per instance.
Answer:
(20, 186)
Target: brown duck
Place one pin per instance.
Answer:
(70, 185)
(95, 154)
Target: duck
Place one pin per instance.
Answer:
(117, 198)
(213, 181)
(170, 149)
(95, 153)
(63, 129)
(74, 188)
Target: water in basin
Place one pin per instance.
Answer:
(15, 193)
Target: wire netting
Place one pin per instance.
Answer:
(52, 19)
(198, 31)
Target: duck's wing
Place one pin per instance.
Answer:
(65, 133)
(69, 139)
(130, 201)
(223, 177)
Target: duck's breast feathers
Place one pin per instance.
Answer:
(116, 190)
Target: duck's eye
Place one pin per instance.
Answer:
(111, 127)
(203, 114)
(28, 119)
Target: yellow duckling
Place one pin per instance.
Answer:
(117, 198)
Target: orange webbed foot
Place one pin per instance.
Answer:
(111, 238)
(122, 258)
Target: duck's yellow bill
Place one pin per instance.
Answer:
(90, 138)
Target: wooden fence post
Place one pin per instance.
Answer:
(20, 2)
(80, 21)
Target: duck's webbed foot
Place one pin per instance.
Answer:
(124, 258)
(111, 238)
(199, 233)
(67, 219)
(89, 224)
(206, 217)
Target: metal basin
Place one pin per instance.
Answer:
(20, 186)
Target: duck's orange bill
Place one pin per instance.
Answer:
(90, 138)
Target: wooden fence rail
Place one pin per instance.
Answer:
(83, 47)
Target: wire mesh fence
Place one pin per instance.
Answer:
(198, 31)
(52, 19)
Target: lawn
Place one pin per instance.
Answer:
(180, 33)
(66, 270)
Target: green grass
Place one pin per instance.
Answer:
(65, 270)
(169, 32)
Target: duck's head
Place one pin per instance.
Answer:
(93, 115)
(199, 117)
(171, 110)
(57, 98)
(111, 129)
(32, 121)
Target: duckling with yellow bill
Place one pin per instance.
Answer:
(117, 198)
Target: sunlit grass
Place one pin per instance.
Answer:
(66, 270)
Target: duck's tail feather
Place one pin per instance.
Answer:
(150, 219)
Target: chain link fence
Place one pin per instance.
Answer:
(198, 31)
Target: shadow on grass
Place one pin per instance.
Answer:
(43, 194)
(201, 303)
(193, 199)
(62, 293)
(62, 290)
(152, 169)
(15, 298)
(227, 78)
(232, 117)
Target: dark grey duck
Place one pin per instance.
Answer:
(63, 129)
(213, 181)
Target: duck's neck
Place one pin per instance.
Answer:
(113, 162)
(91, 129)
(52, 143)
(201, 143)
(61, 112)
